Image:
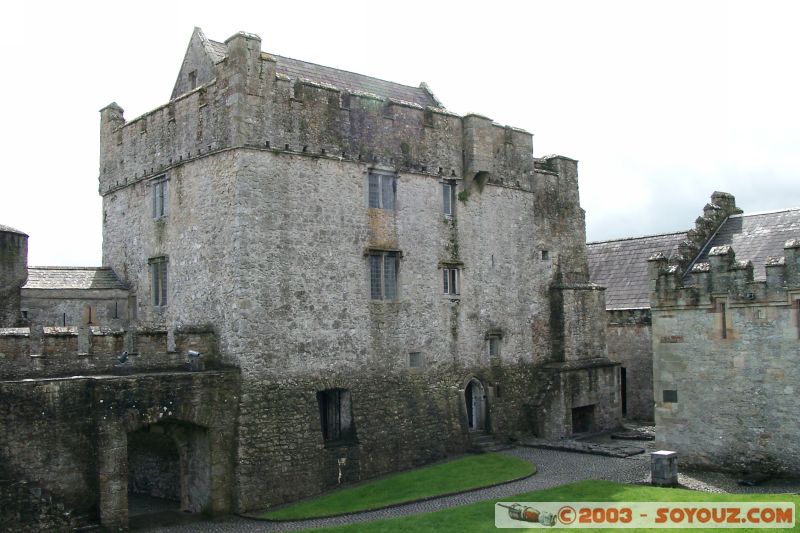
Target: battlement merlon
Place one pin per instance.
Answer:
(232, 95)
(724, 275)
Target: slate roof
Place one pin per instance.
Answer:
(342, 79)
(756, 236)
(9, 229)
(621, 266)
(73, 278)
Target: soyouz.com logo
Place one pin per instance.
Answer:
(644, 514)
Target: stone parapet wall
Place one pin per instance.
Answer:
(59, 351)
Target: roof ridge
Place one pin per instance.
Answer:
(770, 212)
(348, 71)
(640, 237)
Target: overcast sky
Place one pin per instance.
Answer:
(662, 103)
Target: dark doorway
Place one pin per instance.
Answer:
(623, 389)
(475, 398)
(168, 469)
(154, 471)
(583, 419)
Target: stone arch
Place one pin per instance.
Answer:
(476, 406)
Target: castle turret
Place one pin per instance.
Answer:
(13, 274)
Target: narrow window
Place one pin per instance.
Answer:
(158, 281)
(723, 320)
(494, 346)
(336, 415)
(383, 275)
(192, 80)
(382, 190)
(545, 255)
(797, 316)
(415, 360)
(159, 198)
(448, 190)
(451, 284)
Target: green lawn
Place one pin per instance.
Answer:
(452, 476)
(479, 517)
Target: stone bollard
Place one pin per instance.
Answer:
(664, 468)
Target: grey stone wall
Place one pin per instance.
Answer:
(630, 343)
(65, 307)
(13, 273)
(68, 439)
(58, 351)
(267, 233)
(730, 376)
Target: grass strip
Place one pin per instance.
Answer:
(479, 517)
(467, 473)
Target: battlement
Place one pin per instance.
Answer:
(723, 275)
(248, 99)
(71, 350)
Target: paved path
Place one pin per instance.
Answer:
(554, 468)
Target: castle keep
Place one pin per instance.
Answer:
(371, 279)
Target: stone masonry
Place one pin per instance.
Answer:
(373, 281)
(726, 350)
(267, 233)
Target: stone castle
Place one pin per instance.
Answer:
(371, 282)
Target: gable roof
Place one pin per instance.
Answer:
(756, 236)
(621, 266)
(342, 79)
(73, 278)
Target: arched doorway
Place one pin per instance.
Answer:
(168, 468)
(477, 408)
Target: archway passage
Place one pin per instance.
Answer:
(154, 482)
(168, 469)
(475, 398)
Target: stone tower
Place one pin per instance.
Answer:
(13, 274)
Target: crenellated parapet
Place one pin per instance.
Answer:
(241, 99)
(65, 351)
(723, 275)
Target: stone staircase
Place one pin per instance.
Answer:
(480, 442)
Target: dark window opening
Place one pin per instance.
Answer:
(382, 190)
(670, 396)
(451, 281)
(494, 346)
(383, 275)
(336, 415)
(545, 255)
(192, 80)
(448, 198)
(583, 419)
(415, 360)
(159, 198)
(158, 281)
(723, 320)
(623, 387)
